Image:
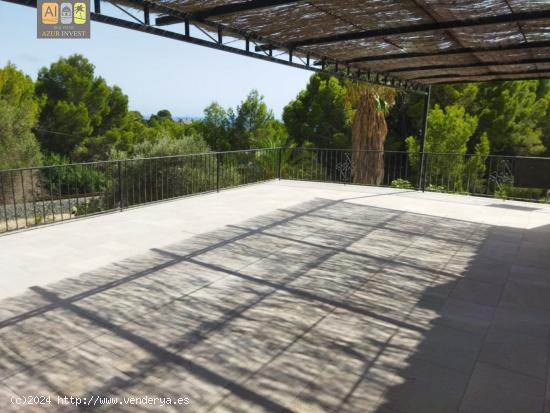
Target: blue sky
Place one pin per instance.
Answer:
(156, 73)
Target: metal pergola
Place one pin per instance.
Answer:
(406, 44)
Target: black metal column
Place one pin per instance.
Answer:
(422, 171)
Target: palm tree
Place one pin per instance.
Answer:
(369, 130)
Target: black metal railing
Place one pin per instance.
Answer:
(508, 177)
(344, 166)
(39, 195)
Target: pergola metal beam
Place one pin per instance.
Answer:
(168, 20)
(489, 78)
(239, 8)
(451, 52)
(468, 65)
(426, 27)
(460, 75)
(225, 9)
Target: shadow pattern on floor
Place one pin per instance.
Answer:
(328, 306)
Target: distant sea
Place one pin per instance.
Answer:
(186, 118)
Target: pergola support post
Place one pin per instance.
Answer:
(421, 181)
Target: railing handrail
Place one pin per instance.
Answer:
(26, 168)
(212, 153)
(427, 153)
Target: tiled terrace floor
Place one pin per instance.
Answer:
(285, 297)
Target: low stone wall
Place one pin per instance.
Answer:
(43, 208)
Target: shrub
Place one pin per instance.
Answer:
(89, 207)
(66, 179)
(507, 191)
(401, 183)
(436, 188)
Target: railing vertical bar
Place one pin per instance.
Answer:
(130, 177)
(312, 166)
(325, 165)
(51, 193)
(2, 176)
(194, 176)
(217, 172)
(120, 188)
(234, 170)
(162, 173)
(42, 199)
(350, 155)
(489, 175)
(427, 172)
(394, 167)
(441, 179)
(33, 195)
(14, 201)
(24, 197)
(279, 161)
(202, 174)
(93, 173)
(76, 174)
(126, 183)
(142, 187)
(337, 173)
(468, 164)
(449, 173)
(317, 165)
(334, 154)
(332, 163)
(86, 189)
(157, 189)
(151, 189)
(302, 163)
(406, 162)
(59, 191)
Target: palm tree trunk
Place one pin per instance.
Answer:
(369, 132)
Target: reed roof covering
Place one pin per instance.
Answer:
(425, 41)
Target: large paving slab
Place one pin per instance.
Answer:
(283, 297)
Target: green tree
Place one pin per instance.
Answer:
(19, 110)
(510, 114)
(464, 94)
(255, 123)
(164, 146)
(514, 114)
(216, 126)
(79, 107)
(251, 125)
(543, 93)
(320, 115)
(449, 131)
